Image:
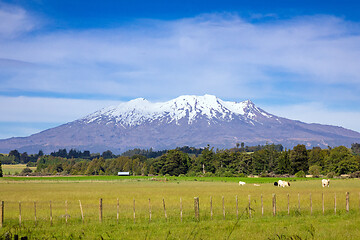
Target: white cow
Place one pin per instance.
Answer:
(282, 183)
(325, 182)
(241, 183)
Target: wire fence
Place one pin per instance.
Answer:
(181, 209)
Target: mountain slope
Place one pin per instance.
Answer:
(187, 120)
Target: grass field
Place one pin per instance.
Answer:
(9, 169)
(300, 223)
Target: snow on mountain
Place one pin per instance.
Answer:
(185, 121)
(189, 107)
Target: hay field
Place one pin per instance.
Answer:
(11, 169)
(238, 225)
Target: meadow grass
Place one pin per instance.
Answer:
(89, 190)
(147, 178)
(11, 169)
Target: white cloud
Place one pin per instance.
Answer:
(219, 54)
(14, 21)
(223, 55)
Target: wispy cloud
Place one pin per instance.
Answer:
(305, 59)
(220, 54)
(15, 21)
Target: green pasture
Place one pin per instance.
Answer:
(99, 178)
(236, 225)
(11, 169)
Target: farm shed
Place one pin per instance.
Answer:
(123, 173)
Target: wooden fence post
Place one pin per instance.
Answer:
(51, 219)
(50, 213)
(181, 210)
(311, 208)
(288, 205)
(149, 210)
(2, 213)
(262, 206)
(223, 205)
(335, 204)
(323, 203)
(19, 214)
(164, 209)
(100, 210)
(118, 210)
(134, 210)
(211, 208)
(347, 202)
(196, 208)
(66, 216)
(237, 208)
(274, 204)
(35, 212)
(249, 207)
(82, 213)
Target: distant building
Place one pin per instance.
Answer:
(123, 173)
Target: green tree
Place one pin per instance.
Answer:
(152, 170)
(336, 155)
(24, 158)
(315, 170)
(136, 167)
(15, 153)
(207, 160)
(355, 147)
(348, 165)
(176, 163)
(299, 159)
(265, 160)
(341, 161)
(284, 163)
(107, 154)
(95, 166)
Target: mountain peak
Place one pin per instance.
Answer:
(186, 120)
(186, 107)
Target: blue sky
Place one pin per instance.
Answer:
(61, 60)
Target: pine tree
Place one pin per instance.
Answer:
(299, 159)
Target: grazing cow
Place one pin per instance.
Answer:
(325, 182)
(286, 184)
(282, 183)
(256, 185)
(241, 183)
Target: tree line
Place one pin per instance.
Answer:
(266, 160)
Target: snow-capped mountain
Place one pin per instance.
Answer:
(187, 120)
(189, 108)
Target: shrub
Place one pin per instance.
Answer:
(300, 174)
(209, 174)
(24, 172)
(228, 174)
(241, 175)
(315, 170)
(330, 175)
(355, 174)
